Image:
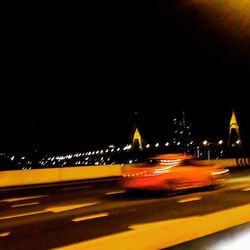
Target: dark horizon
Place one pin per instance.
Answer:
(93, 67)
(54, 124)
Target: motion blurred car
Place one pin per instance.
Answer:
(172, 172)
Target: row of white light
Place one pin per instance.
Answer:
(112, 149)
(220, 142)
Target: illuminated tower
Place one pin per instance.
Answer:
(234, 133)
(137, 140)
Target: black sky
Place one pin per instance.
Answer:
(83, 73)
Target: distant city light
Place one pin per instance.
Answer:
(148, 145)
(157, 145)
(178, 143)
(220, 142)
(238, 141)
(167, 144)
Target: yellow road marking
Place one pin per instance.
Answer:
(58, 209)
(22, 198)
(89, 217)
(26, 204)
(21, 215)
(116, 192)
(4, 234)
(190, 199)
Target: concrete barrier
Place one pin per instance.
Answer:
(222, 162)
(55, 175)
(229, 163)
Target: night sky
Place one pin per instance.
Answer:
(90, 69)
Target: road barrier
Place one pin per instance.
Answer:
(57, 175)
(64, 174)
(229, 163)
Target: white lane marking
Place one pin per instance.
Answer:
(89, 217)
(178, 231)
(197, 198)
(22, 198)
(62, 208)
(73, 188)
(116, 192)
(4, 234)
(246, 189)
(26, 204)
(21, 215)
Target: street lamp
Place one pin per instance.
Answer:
(238, 142)
(205, 143)
(220, 142)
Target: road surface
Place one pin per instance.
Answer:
(99, 215)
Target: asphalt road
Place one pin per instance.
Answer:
(95, 215)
